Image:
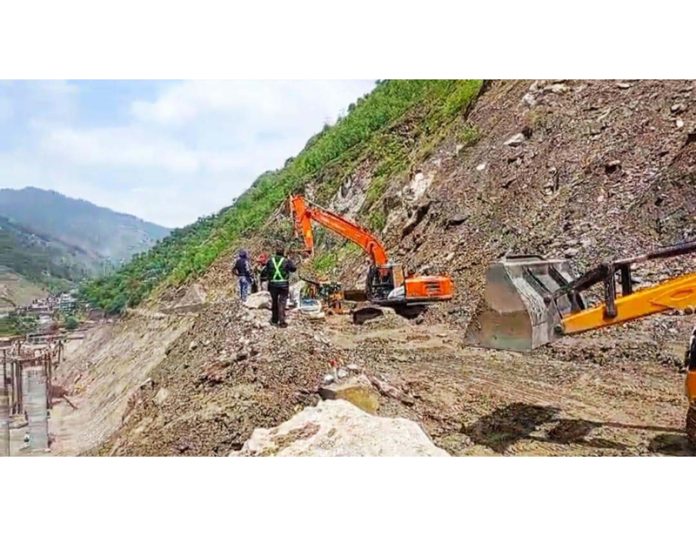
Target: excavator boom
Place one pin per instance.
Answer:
(303, 215)
(676, 293)
(387, 283)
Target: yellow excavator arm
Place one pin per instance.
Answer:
(678, 293)
(530, 301)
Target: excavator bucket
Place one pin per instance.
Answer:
(517, 311)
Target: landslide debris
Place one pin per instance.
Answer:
(585, 170)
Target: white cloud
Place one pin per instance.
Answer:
(271, 103)
(5, 109)
(183, 153)
(128, 147)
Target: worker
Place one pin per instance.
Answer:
(242, 269)
(277, 272)
(262, 276)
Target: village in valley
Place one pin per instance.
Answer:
(32, 348)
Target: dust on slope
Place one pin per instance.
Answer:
(102, 373)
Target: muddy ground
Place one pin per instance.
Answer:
(616, 393)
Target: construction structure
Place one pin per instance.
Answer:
(26, 385)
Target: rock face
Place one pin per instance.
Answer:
(338, 428)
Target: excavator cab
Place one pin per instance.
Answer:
(383, 283)
(389, 285)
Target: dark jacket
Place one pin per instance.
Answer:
(242, 268)
(285, 268)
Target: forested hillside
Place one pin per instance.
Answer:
(54, 241)
(372, 129)
(99, 232)
(47, 262)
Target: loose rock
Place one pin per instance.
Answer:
(515, 141)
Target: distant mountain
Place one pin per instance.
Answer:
(98, 231)
(51, 239)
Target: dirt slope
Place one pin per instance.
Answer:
(213, 390)
(103, 372)
(589, 170)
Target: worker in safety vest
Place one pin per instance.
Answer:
(277, 273)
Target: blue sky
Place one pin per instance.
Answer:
(166, 151)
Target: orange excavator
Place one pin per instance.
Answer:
(387, 284)
(530, 301)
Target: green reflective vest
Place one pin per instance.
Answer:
(278, 276)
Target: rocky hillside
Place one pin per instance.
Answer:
(588, 170)
(378, 135)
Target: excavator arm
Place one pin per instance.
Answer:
(304, 213)
(387, 283)
(675, 293)
(530, 301)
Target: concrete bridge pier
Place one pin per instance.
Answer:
(36, 407)
(4, 422)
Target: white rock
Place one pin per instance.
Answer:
(418, 185)
(161, 396)
(514, 141)
(338, 428)
(557, 89)
(481, 167)
(529, 99)
(259, 300)
(328, 378)
(680, 123)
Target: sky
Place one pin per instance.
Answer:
(165, 151)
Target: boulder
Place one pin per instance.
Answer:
(357, 390)
(338, 428)
(514, 141)
(458, 218)
(259, 300)
(161, 396)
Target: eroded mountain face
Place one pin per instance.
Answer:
(587, 170)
